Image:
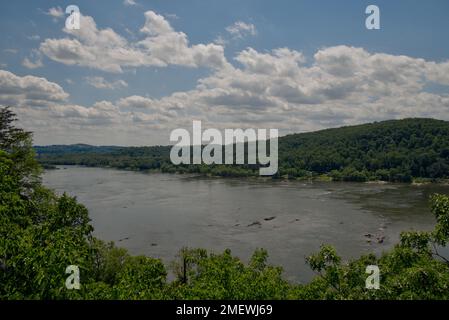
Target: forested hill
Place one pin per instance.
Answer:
(395, 150)
(388, 150)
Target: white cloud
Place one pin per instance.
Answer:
(101, 113)
(241, 29)
(155, 24)
(106, 50)
(136, 102)
(438, 72)
(339, 85)
(101, 83)
(220, 40)
(55, 12)
(282, 61)
(129, 3)
(31, 64)
(34, 37)
(29, 91)
(34, 61)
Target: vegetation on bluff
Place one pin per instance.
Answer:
(42, 233)
(395, 151)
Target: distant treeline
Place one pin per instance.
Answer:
(395, 151)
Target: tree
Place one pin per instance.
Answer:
(40, 233)
(18, 144)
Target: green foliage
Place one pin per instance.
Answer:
(141, 278)
(222, 276)
(108, 261)
(440, 208)
(18, 144)
(36, 246)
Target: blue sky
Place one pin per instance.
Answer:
(92, 98)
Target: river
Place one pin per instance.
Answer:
(157, 214)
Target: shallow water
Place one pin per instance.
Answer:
(157, 214)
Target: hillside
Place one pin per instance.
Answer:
(74, 149)
(394, 150)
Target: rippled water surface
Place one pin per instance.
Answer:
(157, 214)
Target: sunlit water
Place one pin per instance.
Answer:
(157, 214)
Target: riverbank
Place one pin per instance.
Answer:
(415, 181)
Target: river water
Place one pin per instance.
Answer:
(157, 214)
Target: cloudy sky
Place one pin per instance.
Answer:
(138, 69)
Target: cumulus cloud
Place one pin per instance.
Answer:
(241, 29)
(101, 113)
(106, 50)
(280, 88)
(277, 89)
(102, 83)
(29, 91)
(438, 72)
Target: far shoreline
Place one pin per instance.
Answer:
(417, 182)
